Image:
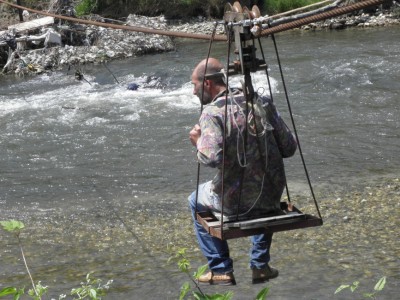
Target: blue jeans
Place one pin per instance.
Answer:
(217, 251)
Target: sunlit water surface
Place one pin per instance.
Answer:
(100, 174)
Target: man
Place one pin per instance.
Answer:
(256, 141)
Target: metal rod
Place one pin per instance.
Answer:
(21, 18)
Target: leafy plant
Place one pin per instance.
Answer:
(38, 291)
(91, 289)
(12, 291)
(184, 266)
(15, 228)
(354, 286)
(86, 7)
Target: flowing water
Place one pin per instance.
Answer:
(100, 174)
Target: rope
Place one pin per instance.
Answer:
(201, 109)
(294, 127)
(279, 28)
(105, 65)
(272, 100)
(224, 141)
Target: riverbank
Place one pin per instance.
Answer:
(81, 44)
(358, 241)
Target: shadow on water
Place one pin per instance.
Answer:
(102, 186)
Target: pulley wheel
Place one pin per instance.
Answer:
(228, 7)
(255, 12)
(247, 11)
(237, 7)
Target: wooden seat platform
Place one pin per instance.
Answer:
(291, 218)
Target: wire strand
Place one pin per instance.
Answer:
(294, 125)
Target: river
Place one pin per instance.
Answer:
(100, 174)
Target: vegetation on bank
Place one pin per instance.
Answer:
(180, 9)
(173, 9)
(93, 288)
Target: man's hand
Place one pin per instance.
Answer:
(194, 134)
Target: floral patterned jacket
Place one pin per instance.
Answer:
(254, 175)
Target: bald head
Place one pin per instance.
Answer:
(211, 87)
(213, 66)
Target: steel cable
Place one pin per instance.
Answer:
(321, 16)
(218, 37)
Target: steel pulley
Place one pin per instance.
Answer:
(239, 25)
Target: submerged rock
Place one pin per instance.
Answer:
(133, 86)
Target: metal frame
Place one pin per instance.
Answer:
(289, 217)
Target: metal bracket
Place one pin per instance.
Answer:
(239, 25)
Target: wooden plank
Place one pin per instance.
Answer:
(290, 221)
(253, 223)
(25, 39)
(310, 221)
(263, 221)
(31, 25)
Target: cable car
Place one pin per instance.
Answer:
(242, 26)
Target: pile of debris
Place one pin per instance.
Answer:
(46, 43)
